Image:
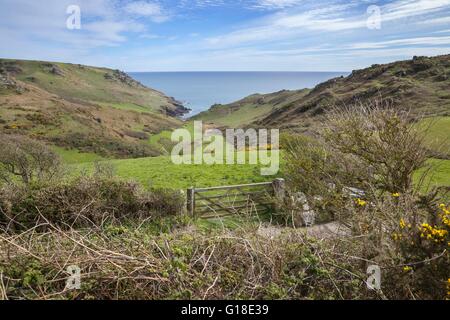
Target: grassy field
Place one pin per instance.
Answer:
(241, 117)
(438, 175)
(438, 133)
(74, 156)
(160, 172)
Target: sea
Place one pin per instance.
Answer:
(200, 90)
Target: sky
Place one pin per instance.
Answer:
(224, 35)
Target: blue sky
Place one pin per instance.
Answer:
(226, 35)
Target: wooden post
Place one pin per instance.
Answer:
(279, 188)
(191, 201)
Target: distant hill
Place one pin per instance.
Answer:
(249, 109)
(90, 109)
(421, 85)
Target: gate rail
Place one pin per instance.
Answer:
(236, 199)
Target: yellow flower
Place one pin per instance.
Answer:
(407, 269)
(396, 195)
(397, 236)
(433, 233)
(402, 224)
(445, 215)
(361, 202)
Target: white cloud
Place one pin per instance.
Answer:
(443, 31)
(276, 4)
(143, 8)
(104, 23)
(330, 18)
(410, 8)
(112, 30)
(437, 21)
(403, 42)
(152, 10)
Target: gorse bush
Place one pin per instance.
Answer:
(408, 240)
(309, 164)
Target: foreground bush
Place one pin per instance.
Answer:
(133, 264)
(83, 202)
(409, 239)
(361, 171)
(372, 147)
(382, 139)
(168, 258)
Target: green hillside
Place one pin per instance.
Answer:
(421, 85)
(85, 108)
(249, 109)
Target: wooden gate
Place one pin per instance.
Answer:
(238, 199)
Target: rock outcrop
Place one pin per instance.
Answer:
(53, 69)
(124, 78)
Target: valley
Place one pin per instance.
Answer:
(88, 179)
(93, 114)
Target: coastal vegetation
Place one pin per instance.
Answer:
(419, 85)
(104, 195)
(76, 107)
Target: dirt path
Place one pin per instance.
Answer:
(323, 231)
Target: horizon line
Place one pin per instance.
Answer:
(238, 71)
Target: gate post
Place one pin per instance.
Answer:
(191, 201)
(279, 188)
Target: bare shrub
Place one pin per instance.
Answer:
(320, 172)
(378, 149)
(380, 138)
(309, 164)
(84, 202)
(26, 159)
(185, 265)
(363, 150)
